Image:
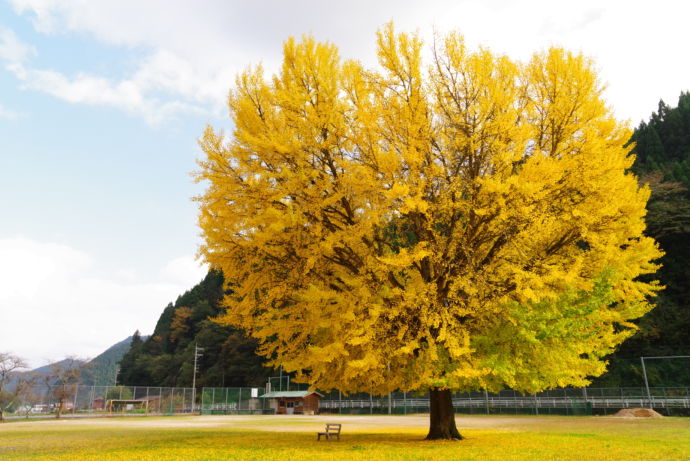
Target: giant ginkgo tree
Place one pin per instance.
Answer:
(467, 224)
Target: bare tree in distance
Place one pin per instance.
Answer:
(9, 365)
(62, 380)
(25, 391)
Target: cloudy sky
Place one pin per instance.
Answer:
(101, 103)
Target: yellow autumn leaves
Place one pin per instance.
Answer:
(397, 228)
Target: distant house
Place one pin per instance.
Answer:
(144, 403)
(98, 403)
(151, 399)
(40, 408)
(293, 402)
(151, 402)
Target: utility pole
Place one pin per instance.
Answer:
(197, 354)
(117, 373)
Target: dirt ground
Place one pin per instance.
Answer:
(637, 413)
(282, 423)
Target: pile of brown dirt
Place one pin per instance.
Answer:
(637, 413)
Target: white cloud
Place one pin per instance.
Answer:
(185, 271)
(163, 85)
(131, 95)
(188, 67)
(12, 49)
(54, 303)
(9, 114)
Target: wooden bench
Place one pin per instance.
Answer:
(332, 430)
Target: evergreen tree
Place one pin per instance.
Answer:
(128, 371)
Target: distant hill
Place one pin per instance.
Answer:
(45, 369)
(99, 371)
(41, 372)
(102, 368)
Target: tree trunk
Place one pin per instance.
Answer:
(442, 417)
(59, 410)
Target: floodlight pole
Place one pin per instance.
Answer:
(197, 354)
(646, 383)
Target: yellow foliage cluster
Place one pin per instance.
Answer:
(471, 223)
(180, 323)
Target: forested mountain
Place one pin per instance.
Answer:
(101, 369)
(662, 147)
(45, 369)
(166, 358)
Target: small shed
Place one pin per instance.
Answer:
(294, 402)
(98, 403)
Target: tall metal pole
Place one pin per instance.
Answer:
(390, 401)
(646, 383)
(197, 354)
(486, 400)
(644, 371)
(74, 402)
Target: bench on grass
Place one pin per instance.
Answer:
(332, 430)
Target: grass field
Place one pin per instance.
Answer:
(284, 438)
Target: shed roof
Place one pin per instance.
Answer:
(287, 394)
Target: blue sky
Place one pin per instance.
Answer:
(101, 103)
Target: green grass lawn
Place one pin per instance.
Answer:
(363, 438)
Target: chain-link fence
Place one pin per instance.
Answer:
(569, 401)
(132, 400)
(85, 400)
(233, 400)
(283, 383)
(668, 371)
(566, 401)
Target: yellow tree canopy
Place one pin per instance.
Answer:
(470, 223)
